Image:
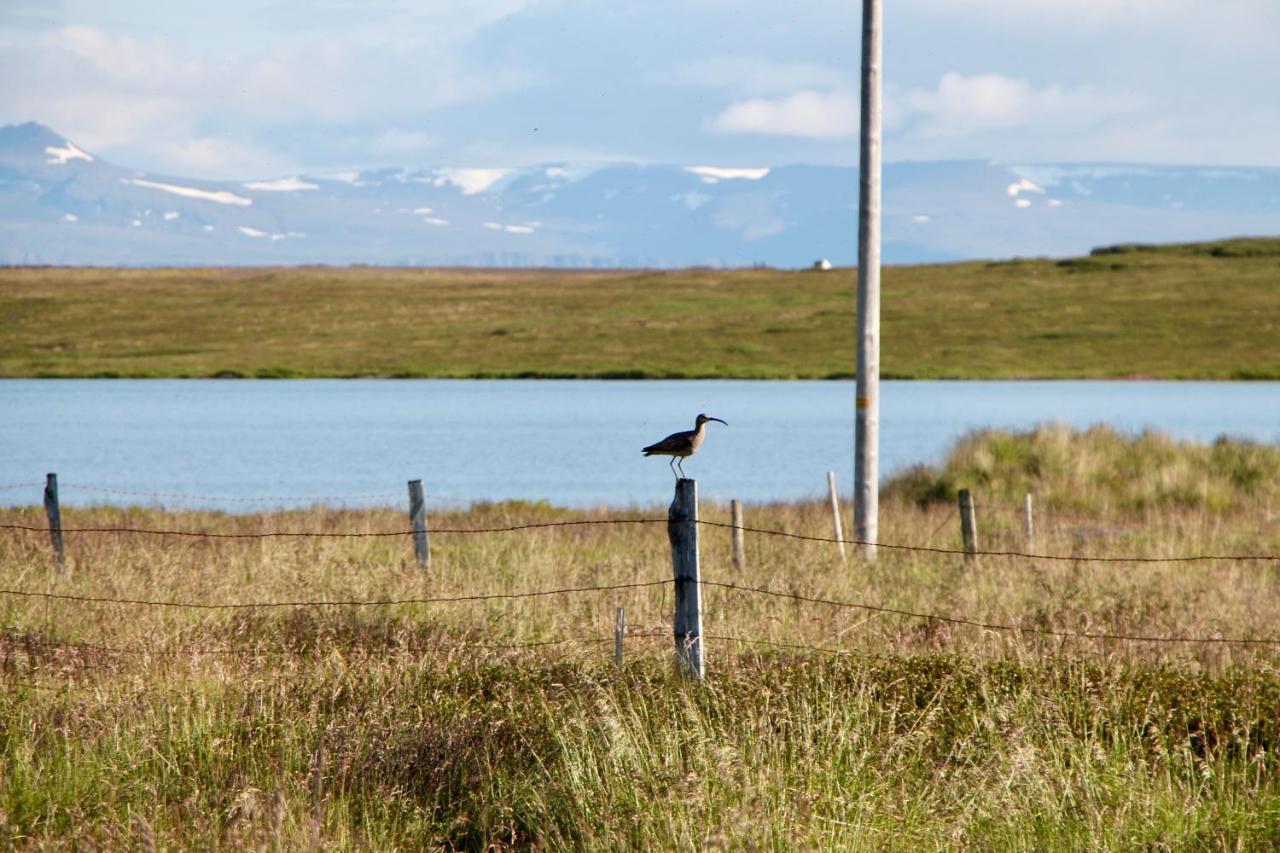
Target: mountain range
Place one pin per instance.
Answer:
(61, 204)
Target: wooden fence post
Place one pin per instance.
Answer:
(1026, 517)
(418, 516)
(968, 524)
(735, 508)
(619, 631)
(54, 512)
(682, 530)
(835, 512)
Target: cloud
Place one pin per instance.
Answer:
(396, 142)
(753, 76)
(806, 113)
(963, 105)
(166, 104)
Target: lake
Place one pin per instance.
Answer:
(247, 445)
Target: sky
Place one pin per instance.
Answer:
(265, 88)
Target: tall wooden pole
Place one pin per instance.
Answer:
(866, 465)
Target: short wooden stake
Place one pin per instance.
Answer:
(682, 530)
(968, 524)
(1026, 517)
(835, 512)
(619, 631)
(735, 509)
(54, 512)
(418, 516)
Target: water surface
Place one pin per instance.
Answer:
(572, 442)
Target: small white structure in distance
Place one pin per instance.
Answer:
(822, 265)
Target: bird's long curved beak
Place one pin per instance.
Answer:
(717, 420)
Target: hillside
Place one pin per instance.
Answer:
(1190, 311)
(62, 204)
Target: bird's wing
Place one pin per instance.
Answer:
(675, 441)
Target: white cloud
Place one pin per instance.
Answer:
(808, 114)
(961, 105)
(1234, 19)
(757, 76)
(157, 98)
(397, 142)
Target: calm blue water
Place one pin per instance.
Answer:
(573, 443)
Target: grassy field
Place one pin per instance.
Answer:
(414, 725)
(1202, 311)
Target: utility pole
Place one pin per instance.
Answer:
(866, 440)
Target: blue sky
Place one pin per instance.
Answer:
(260, 88)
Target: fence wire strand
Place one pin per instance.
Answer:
(993, 626)
(351, 602)
(288, 534)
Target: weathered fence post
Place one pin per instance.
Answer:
(418, 516)
(619, 631)
(682, 530)
(735, 509)
(1026, 517)
(835, 512)
(968, 523)
(54, 512)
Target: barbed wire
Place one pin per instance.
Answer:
(323, 534)
(1087, 558)
(239, 499)
(351, 602)
(994, 626)
(759, 642)
(1022, 554)
(228, 498)
(194, 650)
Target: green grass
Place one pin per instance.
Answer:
(408, 726)
(1177, 312)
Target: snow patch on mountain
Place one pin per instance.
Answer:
(1022, 186)
(281, 185)
(715, 174)
(60, 156)
(220, 196)
(469, 180)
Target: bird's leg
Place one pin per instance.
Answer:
(672, 466)
(680, 465)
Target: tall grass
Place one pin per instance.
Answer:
(417, 725)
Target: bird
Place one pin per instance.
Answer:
(678, 445)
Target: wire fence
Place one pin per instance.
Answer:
(11, 641)
(190, 497)
(922, 549)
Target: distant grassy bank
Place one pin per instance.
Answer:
(1198, 311)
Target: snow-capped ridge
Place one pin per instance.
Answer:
(60, 156)
(281, 185)
(220, 196)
